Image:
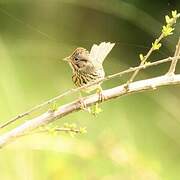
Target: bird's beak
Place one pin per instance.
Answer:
(66, 59)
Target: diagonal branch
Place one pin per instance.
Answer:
(144, 60)
(174, 62)
(71, 91)
(50, 116)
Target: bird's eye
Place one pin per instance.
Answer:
(76, 59)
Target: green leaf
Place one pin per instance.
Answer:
(156, 45)
(96, 109)
(174, 13)
(141, 57)
(82, 130)
(167, 30)
(53, 107)
(168, 19)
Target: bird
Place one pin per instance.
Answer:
(87, 67)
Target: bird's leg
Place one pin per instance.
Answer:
(101, 96)
(83, 105)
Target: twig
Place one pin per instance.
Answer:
(48, 117)
(64, 129)
(166, 31)
(59, 129)
(144, 60)
(71, 91)
(174, 62)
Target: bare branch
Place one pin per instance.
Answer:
(50, 116)
(74, 90)
(57, 129)
(64, 129)
(174, 62)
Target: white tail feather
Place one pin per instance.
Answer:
(99, 52)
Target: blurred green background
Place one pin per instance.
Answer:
(136, 137)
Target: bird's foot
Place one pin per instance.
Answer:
(83, 106)
(101, 96)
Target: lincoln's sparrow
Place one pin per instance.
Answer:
(88, 67)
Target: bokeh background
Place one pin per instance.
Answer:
(136, 137)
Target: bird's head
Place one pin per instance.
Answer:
(79, 58)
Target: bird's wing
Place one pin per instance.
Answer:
(99, 52)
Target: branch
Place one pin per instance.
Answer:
(174, 62)
(71, 91)
(58, 129)
(50, 116)
(144, 60)
(166, 31)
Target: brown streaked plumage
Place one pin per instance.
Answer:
(88, 67)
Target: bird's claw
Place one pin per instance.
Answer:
(83, 106)
(101, 96)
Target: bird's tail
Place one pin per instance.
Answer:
(99, 52)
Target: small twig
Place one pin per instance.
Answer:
(74, 90)
(48, 117)
(63, 129)
(174, 62)
(60, 129)
(53, 130)
(144, 60)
